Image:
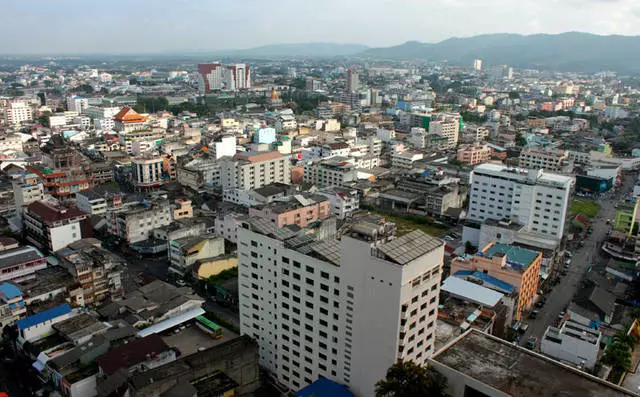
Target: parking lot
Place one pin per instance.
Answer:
(191, 339)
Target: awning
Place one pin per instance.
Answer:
(39, 366)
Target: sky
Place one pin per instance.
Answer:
(143, 26)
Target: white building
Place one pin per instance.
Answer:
(227, 226)
(91, 202)
(252, 170)
(237, 77)
(18, 112)
(532, 198)
(52, 227)
(57, 121)
(200, 173)
(147, 171)
(353, 80)
(405, 160)
(447, 126)
(342, 309)
(40, 325)
(326, 173)
(573, 343)
(26, 190)
(104, 124)
(477, 65)
(102, 113)
(77, 104)
(546, 159)
(344, 202)
(137, 223)
(11, 142)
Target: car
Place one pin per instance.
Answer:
(180, 282)
(449, 238)
(569, 254)
(531, 343)
(540, 304)
(567, 262)
(608, 221)
(534, 314)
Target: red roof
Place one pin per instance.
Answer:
(49, 213)
(128, 115)
(132, 353)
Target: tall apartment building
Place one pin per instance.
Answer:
(353, 80)
(147, 171)
(344, 307)
(547, 159)
(447, 126)
(215, 76)
(532, 198)
(17, 111)
(252, 170)
(477, 65)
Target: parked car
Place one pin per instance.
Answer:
(531, 343)
(449, 238)
(534, 314)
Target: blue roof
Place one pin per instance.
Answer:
(10, 290)
(324, 387)
(43, 316)
(489, 281)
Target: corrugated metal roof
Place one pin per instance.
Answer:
(171, 322)
(471, 292)
(44, 316)
(10, 291)
(411, 246)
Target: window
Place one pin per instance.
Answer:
(324, 275)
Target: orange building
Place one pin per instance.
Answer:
(516, 266)
(128, 120)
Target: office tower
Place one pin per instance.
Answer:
(344, 305)
(353, 80)
(477, 64)
(532, 198)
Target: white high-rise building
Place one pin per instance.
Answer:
(344, 307)
(18, 111)
(353, 80)
(532, 198)
(251, 170)
(477, 64)
(447, 126)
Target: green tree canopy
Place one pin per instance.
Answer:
(407, 379)
(85, 88)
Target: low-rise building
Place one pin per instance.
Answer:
(12, 306)
(406, 159)
(184, 252)
(147, 171)
(40, 325)
(573, 343)
(252, 170)
(53, 227)
(182, 209)
(550, 160)
(91, 202)
(343, 201)
(327, 173)
(27, 188)
(473, 154)
(135, 223)
(478, 364)
(21, 263)
(139, 355)
(300, 209)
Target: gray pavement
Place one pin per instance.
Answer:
(562, 294)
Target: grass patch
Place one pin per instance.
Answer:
(583, 206)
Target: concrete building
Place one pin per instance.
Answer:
(573, 343)
(26, 190)
(549, 160)
(300, 210)
(533, 198)
(477, 65)
(202, 173)
(17, 112)
(53, 227)
(328, 173)
(91, 202)
(147, 171)
(104, 113)
(353, 80)
(12, 306)
(446, 125)
(237, 77)
(210, 77)
(344, 202)
(21, 263)
(128, 120)
(185, 252)
(473, 154)
(136, 223)
(182, 209)
(10, 142)
(224, 146)
(265, 135)
(478, 364)
(406, 159)
(40, 325)
(252, 170)
(311, 301)
(515, 266)
(77, 104)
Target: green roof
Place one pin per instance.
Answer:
(515, 255)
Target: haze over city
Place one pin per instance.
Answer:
(70, 26)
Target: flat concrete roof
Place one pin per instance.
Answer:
(517, 371)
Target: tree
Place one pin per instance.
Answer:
(618, 357)
(44, 118)
(623, 338)
(468, 247)
(407, 379)
(86, 88)
(520, 140)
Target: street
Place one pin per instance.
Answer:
(562, 294)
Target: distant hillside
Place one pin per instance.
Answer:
(580, 52)
(299, 50)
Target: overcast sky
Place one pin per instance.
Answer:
(73, 26)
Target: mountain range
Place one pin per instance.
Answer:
(572, 51)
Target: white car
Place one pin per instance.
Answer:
(449, 238)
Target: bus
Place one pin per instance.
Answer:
(209, 327)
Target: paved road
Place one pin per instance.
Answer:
(562, 294)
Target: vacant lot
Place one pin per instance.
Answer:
(584, 206)
(407, 224)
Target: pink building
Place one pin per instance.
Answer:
(298, 210)
(552, 106)
(474, 154)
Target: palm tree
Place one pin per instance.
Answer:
(617, 356)
(407, 379)
(626, 339)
